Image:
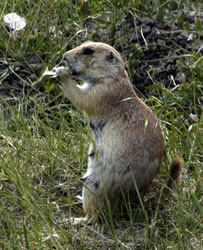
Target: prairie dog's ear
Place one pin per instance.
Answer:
(111, 58)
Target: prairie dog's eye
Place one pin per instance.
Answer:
(88, 51)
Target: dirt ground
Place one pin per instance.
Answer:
(152, 49)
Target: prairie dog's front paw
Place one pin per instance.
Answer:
(62, 71)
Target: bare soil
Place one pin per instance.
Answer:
(153, 50)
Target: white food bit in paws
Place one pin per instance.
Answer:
(49, 73)
(56, 71)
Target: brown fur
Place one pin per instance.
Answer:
(174, 179)
(127, 143)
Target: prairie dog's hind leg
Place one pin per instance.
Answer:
(87, 200)
(90, 197)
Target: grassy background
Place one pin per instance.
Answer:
(43, 143)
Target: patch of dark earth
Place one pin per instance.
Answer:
(154, 52)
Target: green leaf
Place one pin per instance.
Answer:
(181, 20)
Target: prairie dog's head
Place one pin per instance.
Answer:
(93, 61)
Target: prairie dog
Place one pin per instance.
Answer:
(128, 142)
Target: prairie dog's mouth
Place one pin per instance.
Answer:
(78, 76)
(75, 74)
(77, 79)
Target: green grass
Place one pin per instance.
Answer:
(43, 144)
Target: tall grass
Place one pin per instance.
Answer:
(43, 143)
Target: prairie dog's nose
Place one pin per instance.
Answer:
(62, 63)
(65, 60)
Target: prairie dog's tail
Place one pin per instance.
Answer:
(174, 179)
